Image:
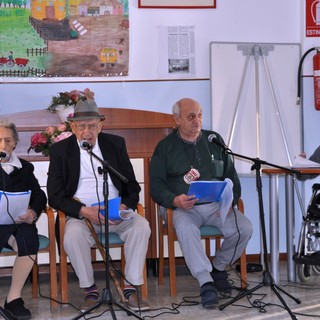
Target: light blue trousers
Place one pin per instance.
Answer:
(237, 231)
(78, 241)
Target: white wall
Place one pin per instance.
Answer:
(232, 20)
(271, 21)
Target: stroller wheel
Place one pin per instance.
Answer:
(304, 272)
(316, 270)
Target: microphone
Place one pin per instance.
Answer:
(85, 145)
(4, 155)
(213, 139)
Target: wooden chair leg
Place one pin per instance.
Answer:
(243, 258)
(53, 279)
(93, 254)
(35, 279)
(243, 272)
(161, 258)
(53, 282)
(144, 287)
(52, 259)
(172, 270)
(63, 264)
(207, 246)
(172, 261)
(123, 263)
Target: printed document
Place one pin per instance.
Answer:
(13, 205)
(226, 200)
(301, 162)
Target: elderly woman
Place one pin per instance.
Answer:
(20, 233)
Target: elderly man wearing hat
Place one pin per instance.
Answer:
(75, 183)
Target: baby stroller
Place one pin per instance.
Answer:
(307, 257)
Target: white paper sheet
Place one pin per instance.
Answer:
(13, 205)
(301, 162)
(226, 200)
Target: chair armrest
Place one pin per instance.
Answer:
(240, 205)
(51, 220)
(140, 209)
(51, 229)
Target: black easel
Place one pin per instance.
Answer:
(106, 297)
(267, 277)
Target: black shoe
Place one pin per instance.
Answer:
(91, 299)
(209, 295)
(17, 310)
(220, 279)
(135, 303)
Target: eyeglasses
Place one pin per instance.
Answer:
(90, 127)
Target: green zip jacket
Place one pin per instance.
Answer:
(173, 158)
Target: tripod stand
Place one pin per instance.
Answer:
(267, 276)
(106, 297)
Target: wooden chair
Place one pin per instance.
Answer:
(48, 245)
(165, 228)
(114, 242)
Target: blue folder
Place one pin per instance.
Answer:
(207, 191)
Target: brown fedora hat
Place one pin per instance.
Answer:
(85, 110)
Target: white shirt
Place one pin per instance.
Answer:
(14, 161)
(90, 186)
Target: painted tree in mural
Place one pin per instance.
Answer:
(63, 38)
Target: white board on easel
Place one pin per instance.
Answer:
(253, 100)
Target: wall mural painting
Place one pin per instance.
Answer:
(64, 38)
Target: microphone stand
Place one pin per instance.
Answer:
(107, 294)
(6, 315)
(267, 277)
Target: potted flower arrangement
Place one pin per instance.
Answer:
(63, 103)
(41, 141)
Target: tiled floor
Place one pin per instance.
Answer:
(262, 304)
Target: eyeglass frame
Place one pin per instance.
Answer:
(90, 127)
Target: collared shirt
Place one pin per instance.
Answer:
(14, 161)
(90, 186)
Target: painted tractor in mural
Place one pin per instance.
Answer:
(20, 62)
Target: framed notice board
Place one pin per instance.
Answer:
(253, 100)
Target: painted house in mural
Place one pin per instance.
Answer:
(45, 9)
(61, 9)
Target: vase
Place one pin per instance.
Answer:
(63, 112)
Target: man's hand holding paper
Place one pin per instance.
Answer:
(92, 213)
(116, 211)
(185, 202)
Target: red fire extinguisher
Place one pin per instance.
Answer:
(316, 79)
(316, 76)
